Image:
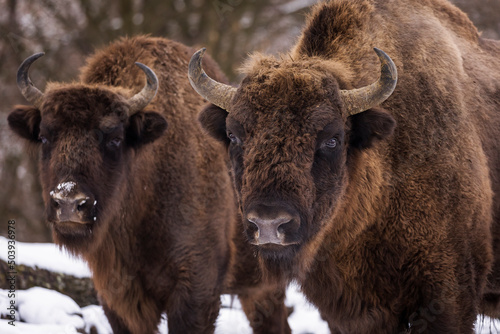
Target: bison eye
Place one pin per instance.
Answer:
(114, 143)
(331, 143)
(233, 138)
(43, 139)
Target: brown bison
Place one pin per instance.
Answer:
(385, 208)
(131, 186)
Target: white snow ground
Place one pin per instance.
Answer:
(45, 311)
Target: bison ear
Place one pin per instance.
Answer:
(144, 128)
(213, 120)
(369, 127)
(25, 121)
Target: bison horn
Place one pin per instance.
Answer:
(32, 94)
(215, 92)
(361, 99)
(140, 100)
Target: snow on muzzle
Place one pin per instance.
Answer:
(69, 204)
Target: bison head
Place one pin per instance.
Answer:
(86, 135)
(292, 136)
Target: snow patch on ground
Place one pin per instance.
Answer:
(93, 316)
(48, 312)
(42, 306)
(45, 311)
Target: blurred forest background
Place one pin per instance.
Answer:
(69, 30)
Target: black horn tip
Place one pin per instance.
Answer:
(387, 63)
(201, 52)
(150, 74)
(29, 91)
(215, 92)
(196, 74)
(140, 100)
(364, 98)
(195, 62)
(22, 72)
(33, 57)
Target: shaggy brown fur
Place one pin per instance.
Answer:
(166, 235)
(398, 222)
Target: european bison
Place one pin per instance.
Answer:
(131, 186)
(382, 206)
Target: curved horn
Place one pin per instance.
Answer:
(29, 91)
(361, 99)
(215, 92)
(140, 100)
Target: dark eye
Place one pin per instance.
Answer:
(114, 143)
(43, 139)
(331, 143)
(232, 138)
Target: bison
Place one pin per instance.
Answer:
(372, 178)
(131, 186)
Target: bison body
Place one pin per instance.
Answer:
(140, 195)
(386, 210)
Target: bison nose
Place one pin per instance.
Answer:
(71, 206)
(269, 231)
(270, 224)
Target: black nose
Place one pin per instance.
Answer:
(271, 224)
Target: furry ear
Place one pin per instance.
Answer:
(369, 127)
(25, 121)
(213, 120)
(145, 127)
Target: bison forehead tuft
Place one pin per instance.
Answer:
(83, 104)
(294, 84)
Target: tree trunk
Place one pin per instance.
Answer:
(81, 290)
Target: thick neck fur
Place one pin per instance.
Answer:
(364, 199)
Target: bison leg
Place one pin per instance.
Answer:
(450, 314)
(265, 309)
(194, 317)
(490, 305)
(115, 321)
(426, 322)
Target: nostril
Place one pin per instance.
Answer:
(252, 227)
(80, 204)
(289, 227)
(55, 203)
(282, 227)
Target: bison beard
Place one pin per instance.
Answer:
(403, 189)
(150, 209)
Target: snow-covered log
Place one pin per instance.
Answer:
(80, 289)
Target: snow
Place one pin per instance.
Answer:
(93, 316)
(23, 328)
(46, 256)
(49, 312)
(40, 306)
(63, 189)
(44, 311)
(302, 319)
(232, 320)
